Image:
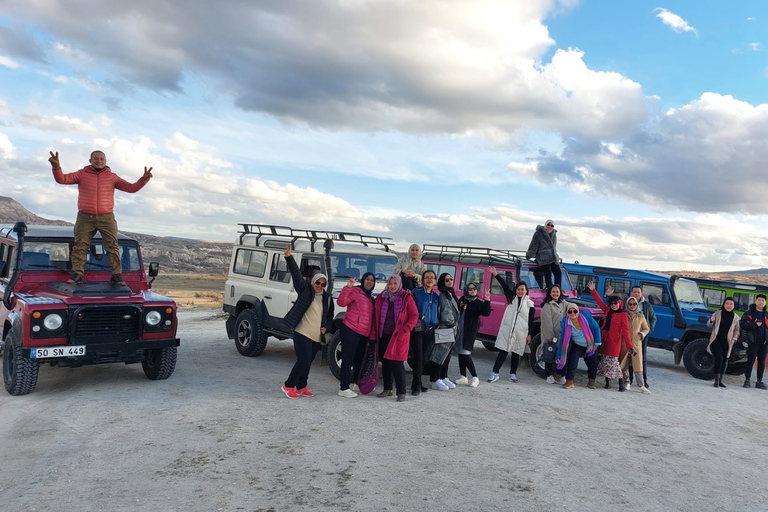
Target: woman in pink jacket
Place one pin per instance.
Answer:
(396, 316)
(356, 329)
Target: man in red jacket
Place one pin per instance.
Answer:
(96, 185)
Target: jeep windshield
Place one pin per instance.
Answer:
(688, 292)
(54, 256)
(347, 265)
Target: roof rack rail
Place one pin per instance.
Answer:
(503, 255)
(313, 235)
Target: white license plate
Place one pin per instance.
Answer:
(68, 351)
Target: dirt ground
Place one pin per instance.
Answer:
(219, 435)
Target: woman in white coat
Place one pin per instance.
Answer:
(516, 325)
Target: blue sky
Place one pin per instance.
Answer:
(640, 128)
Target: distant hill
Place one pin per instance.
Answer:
(175, 255)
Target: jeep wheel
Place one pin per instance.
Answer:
(698, 361)
(489, 344)
(250, 338)
(534, 358)
(159, 363)
(334, 356)
(19, 373)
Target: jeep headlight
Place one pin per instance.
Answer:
(53, 322)
(153, 318)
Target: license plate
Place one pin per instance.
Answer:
(68, 351)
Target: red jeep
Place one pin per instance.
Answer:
(468, 264)
(46, 320)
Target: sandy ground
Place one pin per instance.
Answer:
(219, 435)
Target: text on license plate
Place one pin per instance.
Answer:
(69, 351)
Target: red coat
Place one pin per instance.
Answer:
(397, 350)
(359, 315)
(619, 329)
(96, 190)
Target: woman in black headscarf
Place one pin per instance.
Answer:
(448, 313)
(471, 310)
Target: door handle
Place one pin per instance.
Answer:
(267, 296)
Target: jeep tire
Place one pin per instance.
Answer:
(250, 338)
(698, 361)
(159, 363)
(534, 358)
(19, 373)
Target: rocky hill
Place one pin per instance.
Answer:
(175, 255)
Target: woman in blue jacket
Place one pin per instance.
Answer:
(423, 335)
(580, 337)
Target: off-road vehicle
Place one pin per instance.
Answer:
(47, 320)
(259, 292)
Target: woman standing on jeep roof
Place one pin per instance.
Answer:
(356, 329)
(552, 314)
(543, 249)
(725, 332)
(410, 267)
(395, 317)
(516, 327)
(310, 318)
(423, 334)
(753, 322)
(472, 309)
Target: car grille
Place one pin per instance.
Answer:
(106, 324)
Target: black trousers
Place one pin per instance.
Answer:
(440, 371)
(576, 352)
(719, 351)
(306, 350)
(421, 342)
(391, 368)
(514, 361)
(352, 352)
(756, 352)
(548, 271)
(466, 363)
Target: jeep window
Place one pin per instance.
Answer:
(508, 277)
(345, 265)
(621, 287)
(687, 291)
(54, 256)
(580, 282)
(251, 263)
(442, 269)
(715, 298)
(656, 294)
(472, 275)
(279, 271)
(535, 280)
(743, 300)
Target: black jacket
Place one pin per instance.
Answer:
(748, 324)
(305, 298)
(474, 310)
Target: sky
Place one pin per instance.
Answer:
(639, 128)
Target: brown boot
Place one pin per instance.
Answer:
(591, 384)
(568, 384)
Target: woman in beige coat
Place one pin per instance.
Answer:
(638, 330)
(725, 332)
(552, 314)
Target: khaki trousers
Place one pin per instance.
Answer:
(86, 226)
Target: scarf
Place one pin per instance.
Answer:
(369, 293)
(442, 288)
(582, 322)
(613, 299)
(392, 300)
(414, 264)
(637, 311)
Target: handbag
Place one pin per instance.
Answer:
(549, 352)
(444, 335)
(369, 371)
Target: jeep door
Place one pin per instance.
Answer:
(279, 294)
(657, 295)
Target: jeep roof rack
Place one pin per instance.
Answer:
(313, 235)
(460, 253)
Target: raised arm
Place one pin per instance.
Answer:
(131, 188)
(65, 179)
(597, 297)
(508, 292)
(298, 280)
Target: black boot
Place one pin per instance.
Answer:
(717, 381)
(720, 381)
(607, 383)
(621, 385)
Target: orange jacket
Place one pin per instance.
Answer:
(96, 190)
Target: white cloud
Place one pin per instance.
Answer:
(5, 61)
(673, 21)
(755, 46)
(6, 148)
(65, 123)
(751, 18)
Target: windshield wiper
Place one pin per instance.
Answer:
(54, 267)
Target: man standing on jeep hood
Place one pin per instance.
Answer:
(96, 185)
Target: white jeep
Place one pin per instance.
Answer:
(259, 292)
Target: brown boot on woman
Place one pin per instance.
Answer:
(591, 384)
(568, 384)
(385, 393)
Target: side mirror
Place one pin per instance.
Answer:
(154, 269)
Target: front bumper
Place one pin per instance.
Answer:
(95, 353)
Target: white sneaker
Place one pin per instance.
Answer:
(474, 382)
(513, 377)
(354, 387)
(448, 383)
(644, 390)
(462, 380)
(629, 386)
(347, 393)
(562, 381)
(550, 380)
(439, 385)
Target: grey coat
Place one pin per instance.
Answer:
(543, 247)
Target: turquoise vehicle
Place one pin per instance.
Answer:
(715, 292)
(681, 313)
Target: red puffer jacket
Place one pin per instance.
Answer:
(359, 316)
(619, 329)
(399, 343)
(97, 189)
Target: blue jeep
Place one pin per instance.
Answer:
(681, 313)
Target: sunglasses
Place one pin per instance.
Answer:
(447, 279)
(572, 312)
(472, 289)
(550, 225)
(320, 283)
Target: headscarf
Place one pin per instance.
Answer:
(613, 299)
(318, 275)
(362, 284)
(467, 297)
(391, 300)
(442, 288)
(415, 264)
(637, 311)
(389, 295)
